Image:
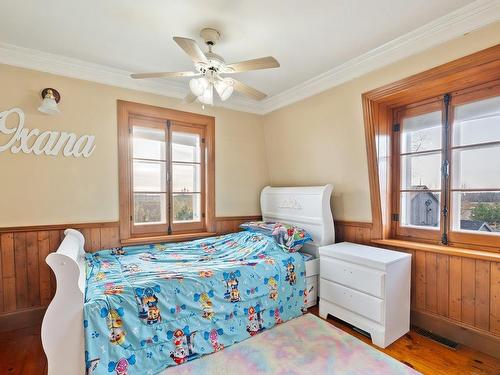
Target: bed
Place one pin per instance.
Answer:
(141, 309)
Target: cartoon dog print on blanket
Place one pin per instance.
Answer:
(255, 322)
(183, 342)
(206, 303)
(291, 276)
(121, 367)
(146, 298)
(214, 336)
(272, 283)
(276, 314)
(231, 279)
(115, 325)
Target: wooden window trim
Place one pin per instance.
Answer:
(473, 70)
(127, 109)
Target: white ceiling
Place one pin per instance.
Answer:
(308, 38)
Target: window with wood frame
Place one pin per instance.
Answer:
(166, 165)
(446, 167)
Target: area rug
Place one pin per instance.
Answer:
(305, 345)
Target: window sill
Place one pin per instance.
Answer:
(166, 238)
(448, 250)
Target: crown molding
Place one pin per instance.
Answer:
(75, 68)
(453, 25)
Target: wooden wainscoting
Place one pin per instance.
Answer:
(353, 231)
(455, 294)
(457, 297)
(228, 224)
(27, 284)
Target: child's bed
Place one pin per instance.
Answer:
(138, 310)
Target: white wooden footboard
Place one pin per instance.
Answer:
(62, 327)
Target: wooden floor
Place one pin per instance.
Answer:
(21, 353)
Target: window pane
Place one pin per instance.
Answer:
(150, 208)
(421, 133)
(420, 209)
(148, 143)
(186, 178)
(185, 147)
(149, 176)
(421, 171)
(477, 122)
(476, 211)
(476, 168)
(186, 207)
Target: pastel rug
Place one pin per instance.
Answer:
(305, 345)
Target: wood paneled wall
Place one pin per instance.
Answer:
(455, 296)
(27, 284)
(462, 289)
(230, 224)
(353, 231)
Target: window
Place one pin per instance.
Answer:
(446, 167)
(166, 171)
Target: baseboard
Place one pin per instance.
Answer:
(469, 336)
(21, 319)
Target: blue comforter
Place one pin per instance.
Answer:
(153, 306)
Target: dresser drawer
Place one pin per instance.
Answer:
(312, 267)
(355, 276)
(350, 299)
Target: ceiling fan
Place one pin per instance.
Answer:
(210, 68)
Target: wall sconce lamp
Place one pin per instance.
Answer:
(49, 103)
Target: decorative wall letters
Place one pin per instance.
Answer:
(47, 142)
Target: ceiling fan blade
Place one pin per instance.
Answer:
(255, 64)
(189, 98)
(248, 91)
(191, 48)
(165, 75)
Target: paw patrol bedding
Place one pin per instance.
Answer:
(154, 306)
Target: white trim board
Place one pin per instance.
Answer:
(464, 20)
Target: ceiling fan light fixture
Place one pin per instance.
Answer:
(210, 66)
(198, 85)
(208, 96)
(224, 88)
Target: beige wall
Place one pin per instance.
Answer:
(318, 140)
(321, 139)
(37, 190)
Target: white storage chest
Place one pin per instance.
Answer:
(367, 287)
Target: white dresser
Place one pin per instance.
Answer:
(367, 287)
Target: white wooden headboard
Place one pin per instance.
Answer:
(306, 207)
